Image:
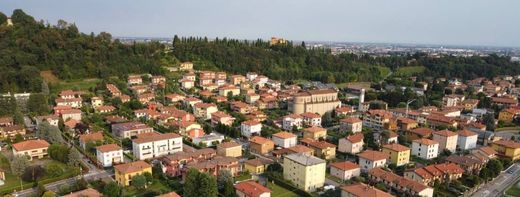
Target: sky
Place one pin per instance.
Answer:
(444, 22)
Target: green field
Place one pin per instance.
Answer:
(410, 71)
(514, 190)
(278, 191)
(156, 188)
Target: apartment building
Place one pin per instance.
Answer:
(304, 171)
(150, 145)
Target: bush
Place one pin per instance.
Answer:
(53, 170)
(33, 173)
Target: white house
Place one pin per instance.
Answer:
(284, 139)
(372, 159)
(250, 127)
(353, 125)
(345, 170)
(209, 140)
(150, 145)
(311, 119)
(447, 140)
(466, 140)
(204, 110)
(109, 154)
(425, 148)
(351, 144)
(291, 121)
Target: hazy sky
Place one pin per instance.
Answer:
(465, 22)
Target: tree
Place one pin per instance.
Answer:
(112, 189)
(53, 170)
(223, 177)
(200, 184)
(37, 104)
(495, 167)
(49, 194)
(50, 133)
(18, 165)
(229, 189)
(326, 119)
(3, 18)
(139, 181)
(489, 120)
(59, 152)
(74, 157)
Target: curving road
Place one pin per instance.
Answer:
(496, 187)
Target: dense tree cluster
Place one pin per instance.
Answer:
(28, 47)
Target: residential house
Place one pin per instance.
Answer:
(447, 140)
(304, 171)
(204, 110)
(362, 190)
(468, 163)
(257, 166)
(12, 131)
(186, 66)
(292, 121)
(353, 125)
(260, 145)
(284, 139)
(466, 140)
(376, 119)
(322, 149)
(406, 124)
(399, 154)
(74, 114)
(427, 175)
(151, 145)
(314, 133)
(507, 149)
(400, 184)
(250, 128)
(174, 164)
(31, 148)
(311, 119)
(130, 129)
(90, 137)
(508, 115)
(208, 140)
(229, 149)
(252, 189)
(134, 80)
(187, 84)
(222, 118)
(345, 170)
(125, 172)
(229, 90)
(351, 144)
(425, 148)
(419, 133)
(370, 159)
(109, 154)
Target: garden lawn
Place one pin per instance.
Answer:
(278, 191)
(156, 188)
(243, 177)
(514, 190)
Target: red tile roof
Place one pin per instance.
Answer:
(30, 145)
(362, 190)
(251, 188)
(284, 135)
(358, 137)
(373, 155)
(132, 167)
(426, 141)
(345, 165)
(396, 147)
(508, 143)
(108, 148)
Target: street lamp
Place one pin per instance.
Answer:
(407, 106)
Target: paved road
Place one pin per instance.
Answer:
(496, 187)
(93, 174)
(507, 134)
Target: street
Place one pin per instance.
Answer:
(93, 174)
(496, 187)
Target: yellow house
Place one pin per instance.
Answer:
(304, 171)
(507, 115)
(125, 172)
(186, 66)
(229, 149)
(314, 133)
(507, 148)
(257, 166)
(322, 149)
(398, 154)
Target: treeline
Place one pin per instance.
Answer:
(29, 46)
(292, 61)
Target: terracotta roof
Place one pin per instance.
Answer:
(228, 145)
(379, 112)
(314, 129)
(259, 140)
(258, 162)
(108, 148)
(310, 115)
(508, 143)
(30, 145)
(487, 150)
(398, 180)
(406, 120)
(317, 144)
(344, 109)
(98, 136)
(251, 188)
(425, 141)
(171, 194)
(362, 190)
(293, 116)
(373, 155)
(86, 192)
(466, 133)
(358, 137)
(135, 166)
(205, 105)
(151, 137)
(462, 160)
(251, 123)
(350, 120)
(445, 133)
(423, 131)
(345, 165)
(396, 147)
(284, 135)
(300, 149)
